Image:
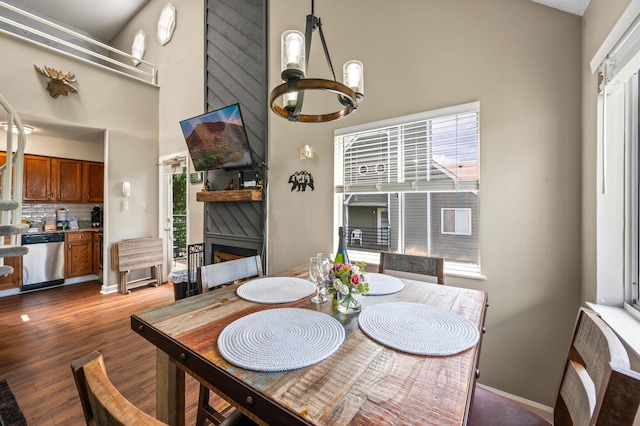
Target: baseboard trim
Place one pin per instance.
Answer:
(518, 399)
(108, 289)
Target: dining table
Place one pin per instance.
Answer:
(363, 382)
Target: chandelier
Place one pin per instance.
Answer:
(294, 61)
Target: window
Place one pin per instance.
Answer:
(166, 23)
(456, 221)
(618, 218)
(411, 185)
(138, 47)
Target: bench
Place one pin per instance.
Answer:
(134, 254)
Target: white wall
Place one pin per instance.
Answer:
(181, 79)
(59, 147)
(103, 101)
(521, 60)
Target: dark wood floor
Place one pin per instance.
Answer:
(65, 323)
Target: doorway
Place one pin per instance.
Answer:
(173, 220)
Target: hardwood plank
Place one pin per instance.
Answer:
(69, 322)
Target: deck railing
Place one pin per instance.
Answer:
(368, 238)
(179, 237)
(25, 26)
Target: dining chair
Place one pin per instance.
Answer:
(101, 402)
(597, 387)
(411, 266)
(103, 405)
(217, 274)
(209, 277)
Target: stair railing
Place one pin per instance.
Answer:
(12, 182)
(25, 26)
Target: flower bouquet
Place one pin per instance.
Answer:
(346, 281)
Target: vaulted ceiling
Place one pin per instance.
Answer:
(102, 18)
(105, 19)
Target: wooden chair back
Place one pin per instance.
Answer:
(217, 274)
(101, 402)
(411, 266)
(598, 387)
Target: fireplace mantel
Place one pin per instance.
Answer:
(233, 196)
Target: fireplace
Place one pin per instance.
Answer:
(232, 228)
(222, 253)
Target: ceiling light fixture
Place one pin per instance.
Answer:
(295, 59)
(14, 129)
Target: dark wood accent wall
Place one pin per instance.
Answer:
(236, 63)
(236, 71)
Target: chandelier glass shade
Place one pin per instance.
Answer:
(286, 100)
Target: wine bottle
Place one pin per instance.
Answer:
(341, 253)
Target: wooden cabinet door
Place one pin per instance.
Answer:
(95, 238)
(78, 260)
(15, 279)
(67, 176)
(93, 182)
(3, 161)
(37, 178)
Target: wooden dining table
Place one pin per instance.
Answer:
(362, 383)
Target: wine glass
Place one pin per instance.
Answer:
(316, 276)
(325, 262)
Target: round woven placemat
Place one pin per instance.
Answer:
(381, 284)
(276, 289)
(418, 329)
(280, 339)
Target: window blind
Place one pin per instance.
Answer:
(437, 153)
(422, 165)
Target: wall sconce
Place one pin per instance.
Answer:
(306, 152)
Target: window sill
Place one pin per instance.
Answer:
(451, 269)
(462, 270)
(625, 324)
(464, 274)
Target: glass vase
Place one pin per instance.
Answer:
(348, 303)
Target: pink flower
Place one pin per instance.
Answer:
(355, 279)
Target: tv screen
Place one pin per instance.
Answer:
(217, 139)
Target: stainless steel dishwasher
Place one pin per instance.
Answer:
(43, 266)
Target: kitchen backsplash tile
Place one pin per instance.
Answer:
(40, 212)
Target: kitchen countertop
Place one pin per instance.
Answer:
(61, 230)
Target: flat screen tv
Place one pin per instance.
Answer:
(217, 139)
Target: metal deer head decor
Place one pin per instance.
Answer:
(58, 82)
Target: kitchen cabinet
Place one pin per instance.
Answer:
(3, 161)
(92, 182)
(52, 179)
(62, 180)
(95, 243)
(67, 179)
(78, 259)
(36, 184)
(15, 279)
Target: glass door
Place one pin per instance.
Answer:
(174, 212)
